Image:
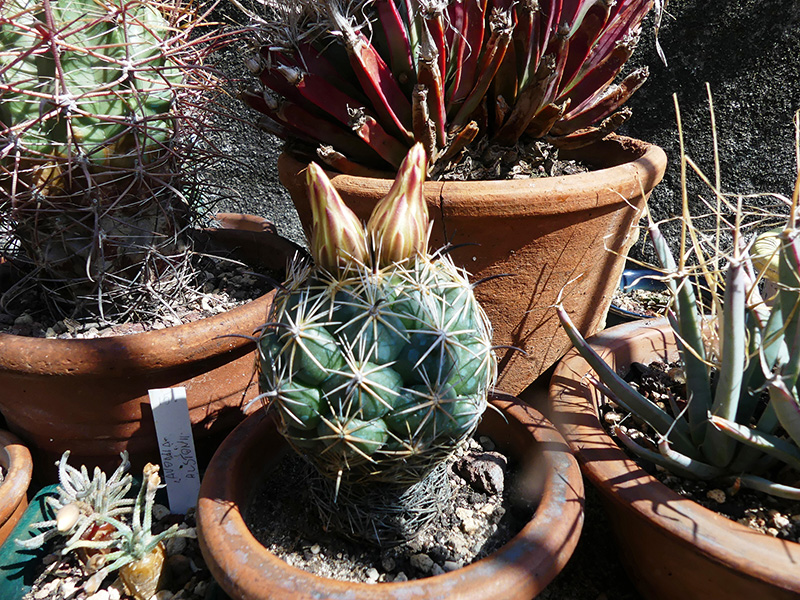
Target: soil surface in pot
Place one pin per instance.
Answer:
(767, 514)
(220, 286)
(525, 160)
(472, 525)
(644, 303)
(62, 577)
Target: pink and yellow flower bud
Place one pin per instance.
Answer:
(337, 236)
(398, 226)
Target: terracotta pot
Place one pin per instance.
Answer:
(519, 570)
(545, 232)
(17, 465)
(90, 396)
(671, 546)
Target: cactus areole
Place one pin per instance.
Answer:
(377, 358)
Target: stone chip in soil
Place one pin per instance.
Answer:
(473, 525)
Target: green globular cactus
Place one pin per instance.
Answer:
(93, 94)
(377, 359)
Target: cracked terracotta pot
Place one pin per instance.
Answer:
(246, 570)
(15, 459)
(671, 546)
(545, 232)
(90, 396)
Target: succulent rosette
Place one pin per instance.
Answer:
(358, 82)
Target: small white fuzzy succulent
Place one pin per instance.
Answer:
(82, 501)
(106, 529)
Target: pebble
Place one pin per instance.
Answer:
(436, 569)
(612, 418)
(46, 591)
(99, 595)
(372, 575)
(400, 577)
(388, 564)
(23, 319)
(175, 545)
(160, 512)
(69, 587)
(423, 562)
(635, 434)
(201, 588)
(486, 443)
(716, 495)
(315, 549)
(470, 525)
(468, 522)
(451, 565)
(485, 471)
(780, 521)
(180, 568)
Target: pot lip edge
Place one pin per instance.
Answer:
(26, 355)
(19, 472)
(510, 199)
(599, 472)
(645, 152)
(211, 499)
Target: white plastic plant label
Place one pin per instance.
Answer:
(176, 445)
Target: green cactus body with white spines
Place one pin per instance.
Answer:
(378, 369)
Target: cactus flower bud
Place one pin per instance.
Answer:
(67, 517)
(765, 253)
(337, 236)
(398, 226)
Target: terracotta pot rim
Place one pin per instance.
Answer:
(16, 459)
(194, 341)
(602, 461)
(637, 165)
(214, 507)
(189, 337)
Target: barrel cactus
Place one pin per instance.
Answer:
(377, 358)
(92, 94)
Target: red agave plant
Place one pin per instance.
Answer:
(358, 82)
